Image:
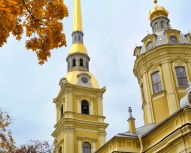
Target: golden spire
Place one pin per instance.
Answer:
(77, 35)
(77, 16)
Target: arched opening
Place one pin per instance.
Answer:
(85, 107)
(74, 62)
(149, 45)
(60, 149)
(173, 39)
(81, 62)
(162, 24)
(181, 76)
(86, 147)
(156, 82)
(68, 66)
(87, 65)
(61, 111)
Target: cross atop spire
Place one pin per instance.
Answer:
(77, 16)
(155, 2)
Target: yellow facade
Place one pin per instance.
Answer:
(163, 70)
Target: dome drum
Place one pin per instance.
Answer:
(78, 61)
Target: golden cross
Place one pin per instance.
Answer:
(155, 1)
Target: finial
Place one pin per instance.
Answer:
(155, 2)
(130, 112)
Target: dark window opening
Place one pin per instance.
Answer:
(81, 62)
(74, 62)
(60, 150)
(162, 24)
(68, 66)
(86, 147)
(181, 76)
(87, 65)
(61, 111)
(85, 107)
(173, 39)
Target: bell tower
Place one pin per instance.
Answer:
(80, 126)
(162, 67)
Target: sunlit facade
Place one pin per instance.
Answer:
(163, 71)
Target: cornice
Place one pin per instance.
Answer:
(67, 87)
(68, 125)
(160, 55)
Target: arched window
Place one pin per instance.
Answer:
(86, 147)
(60, 149)
(68, 66)
(162, 24)
(87, 66)
(156, 82)
(156, 26)
(173, 39)
(61, 111)
(149, 45)
(74, 62)
(181, 76)
(81, 62)
(85, 107)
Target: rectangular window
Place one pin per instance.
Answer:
(181, 77)
(156, 82)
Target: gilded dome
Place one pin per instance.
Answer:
(74, 77)
(157, 11)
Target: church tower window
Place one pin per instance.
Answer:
(74, 62)
(85, 107)
(68, 66)
(61, 111)
(162, 24)
(81, 62)
(86, 147)
(60, 149)
(149, 45)
(156, 82)
(181, 76)
(87, 66)
(173, 39)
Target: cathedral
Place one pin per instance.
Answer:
(163, 71)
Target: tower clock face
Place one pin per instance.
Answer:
(84, 79)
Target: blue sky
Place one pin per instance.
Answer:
(112, 29)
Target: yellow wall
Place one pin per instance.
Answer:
(75, 128)
(164, 59)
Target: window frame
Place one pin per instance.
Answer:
(61, 111)
(85, 103)
(81, 62)
(171, 39)
(157, 84)
(84, 148)
(74, 62)
(60, 149)
(148, 45)
(181, 79)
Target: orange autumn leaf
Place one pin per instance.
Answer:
(39, 20)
